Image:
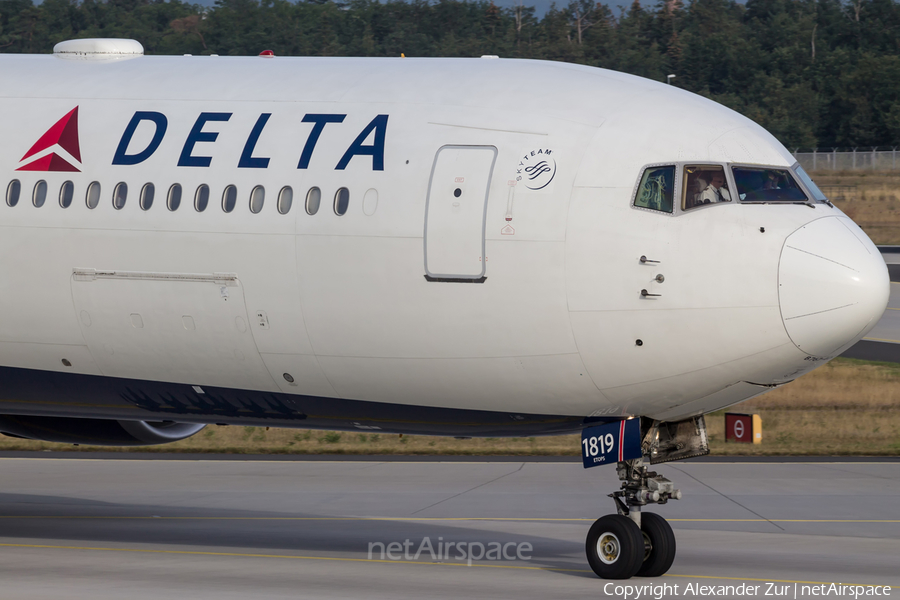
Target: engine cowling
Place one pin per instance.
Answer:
(96, 432)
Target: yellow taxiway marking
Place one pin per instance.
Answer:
(382, 561)
(882, 339)
(520, 519)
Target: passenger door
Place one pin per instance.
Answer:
(455, 213)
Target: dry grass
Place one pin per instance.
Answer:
(262, 440)
(870, 199)
(845, 407)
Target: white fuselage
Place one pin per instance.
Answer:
(532, 301)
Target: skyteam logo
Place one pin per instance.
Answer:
(58, 149)
(536, 169)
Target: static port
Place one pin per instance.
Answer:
(288, 378)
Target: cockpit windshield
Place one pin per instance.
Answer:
(810, 184)
(685, 186)
(657, 189)
(756, 184)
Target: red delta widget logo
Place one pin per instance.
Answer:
(61, 140)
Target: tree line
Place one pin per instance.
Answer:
(816, 73)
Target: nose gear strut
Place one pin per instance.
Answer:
(641, 486)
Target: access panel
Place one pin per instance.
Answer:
(180, 327)
(455, 213)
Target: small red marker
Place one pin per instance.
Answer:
(267, 53)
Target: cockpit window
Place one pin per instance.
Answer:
(810, 185)
(767, 185)
(704, 184)
(657, 189)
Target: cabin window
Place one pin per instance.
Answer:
(229, 198)
(66, 193)
(120, 194)
(756, 184)
(173, 199)
(40, 193)
(704, 184)
(92, 196)
(657, 189)
(201, 198)
(257, 199)
(313, 199)
(341, 201)
(285, 199)
(12, 192)
(147, 194)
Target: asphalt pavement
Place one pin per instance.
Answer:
(102, 529)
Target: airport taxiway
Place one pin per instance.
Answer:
(99, 529)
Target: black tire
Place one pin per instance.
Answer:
(614, 547)
(659, 545)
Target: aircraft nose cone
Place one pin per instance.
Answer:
(833, 286)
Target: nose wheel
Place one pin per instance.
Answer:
(659, 546)
(617, 548)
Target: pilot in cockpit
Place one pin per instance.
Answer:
(716, 190)
(772, 180)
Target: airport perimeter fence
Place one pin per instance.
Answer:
(856, 159)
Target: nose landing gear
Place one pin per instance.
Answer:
(629, 543)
